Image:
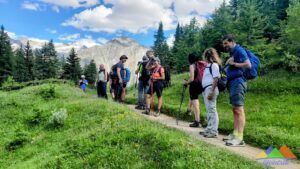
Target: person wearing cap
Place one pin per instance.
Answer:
(83, 83)
(118, 86)
(156, 86)
(101, 82)
(143, 84)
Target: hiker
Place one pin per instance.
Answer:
(126, 78)
(210, 85)
(111, 83)
(156, 86)
(117, 78)
(143, 84)
(195, 85)
(101, 82)
(237, 86)
(83, 83)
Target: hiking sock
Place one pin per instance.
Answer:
(235, 133)
(240, 136)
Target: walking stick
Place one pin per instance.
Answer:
(181, 101)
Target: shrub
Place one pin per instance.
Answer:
(48, 91)
(292, 62)
(18, 141)
(58, 118)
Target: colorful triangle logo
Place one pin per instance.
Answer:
(283, 152)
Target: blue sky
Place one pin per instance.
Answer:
(97, 21)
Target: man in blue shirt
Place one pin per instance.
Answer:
(237, 86)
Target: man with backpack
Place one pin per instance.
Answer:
(237, 63)
(143, 84)
(117, 75)
(156, 85)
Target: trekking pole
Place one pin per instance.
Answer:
(181, 101)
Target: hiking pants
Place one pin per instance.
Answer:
(211, 110)
(101, 89)
(142, 93)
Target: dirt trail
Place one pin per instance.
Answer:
(248, 151)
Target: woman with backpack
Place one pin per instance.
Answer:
(195, 86)
(101, 82)
(210, 85)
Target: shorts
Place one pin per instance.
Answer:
(157, 88)
(195, 90)
(237, 94)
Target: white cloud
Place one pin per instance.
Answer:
(88, 42)
(67, 37)
(31, 6)
(102, 40)
(52, 31)
(170, 40)
(72, 3)
(138, 16)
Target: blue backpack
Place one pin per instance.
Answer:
(128, 75)
(253, 71)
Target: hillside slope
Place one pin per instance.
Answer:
(95, 134)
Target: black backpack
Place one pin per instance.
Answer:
(145, 74)
(222, 82)
(167, 81)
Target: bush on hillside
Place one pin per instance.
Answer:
(291, 62)
(58, 118)
(19, 140)
(47, 91)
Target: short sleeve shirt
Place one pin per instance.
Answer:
(208, 78)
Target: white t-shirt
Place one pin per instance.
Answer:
(208, 78)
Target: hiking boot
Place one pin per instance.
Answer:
(157, 113)
(139, 107)
(236, 142)
(229, 137)
(210, 135)
(147, 112)
(195, 124)
(189, 112)
(203, 133)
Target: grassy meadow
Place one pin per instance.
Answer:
(58, 126)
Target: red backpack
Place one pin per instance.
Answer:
(200, 67)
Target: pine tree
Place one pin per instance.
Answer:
(161, 48)
(90, 72)
(20, 71)
(29, 62)
(6, 56)
(46, 62)
(292, 28)
(72, 69)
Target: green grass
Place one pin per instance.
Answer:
(272, 109)
(96, 134)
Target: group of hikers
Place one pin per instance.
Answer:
(206, 77)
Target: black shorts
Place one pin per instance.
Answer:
(157, 88)
(195, 90)
(124, 85)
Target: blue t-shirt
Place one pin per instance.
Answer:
(235, 74)
(121, 66)
(83, 84)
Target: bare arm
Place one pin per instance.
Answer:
(246, 64)
(192, 75)
(119, 75)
